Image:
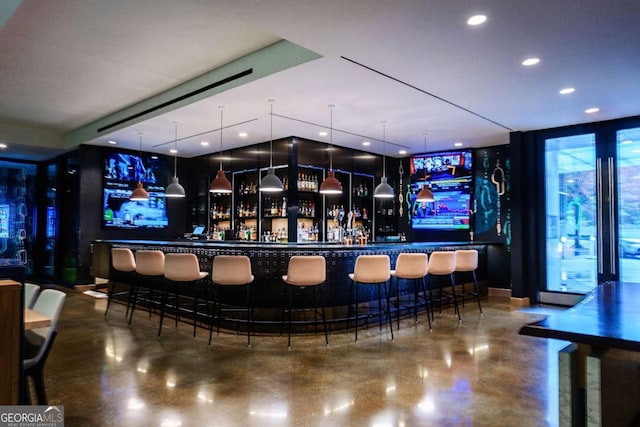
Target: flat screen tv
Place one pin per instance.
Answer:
(121, 174)
(450, 176)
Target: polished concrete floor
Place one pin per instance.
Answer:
(478, 372)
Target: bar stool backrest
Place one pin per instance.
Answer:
(306, 270)
(122, 259)
(231, 270)
(150, 263)
(412, 266)
(466, 260)
(372, 269)
(182, 267)
(442, 262)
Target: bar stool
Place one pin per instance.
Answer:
(370, 270)
(150, 266)
(304, 272)
(232, 270)
(443, 263)
(123, 264)
(181, 269)
(467, 262)
(415, 267)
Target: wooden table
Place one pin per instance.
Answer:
(34, 320)
(598, 373)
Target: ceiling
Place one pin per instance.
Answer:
(71, 67)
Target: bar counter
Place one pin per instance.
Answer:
(269, 262)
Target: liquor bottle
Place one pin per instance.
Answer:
(284, 207)
(214, 211)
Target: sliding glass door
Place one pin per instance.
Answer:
(628, 196)
(572, 214)
(592, 206)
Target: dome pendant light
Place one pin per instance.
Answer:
(221, 184)
(383, 190)
(271, 183)
(425, 194)
(175, 190)
(139, 194)
(331, 185)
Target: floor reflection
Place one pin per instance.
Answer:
(475, 372)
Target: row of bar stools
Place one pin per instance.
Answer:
(232, 270)
(303, 272)
(370, 270)
(123, 267)
(181, 269)
(415, 267)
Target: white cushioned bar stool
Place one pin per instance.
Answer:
(415, 267)
(181, 269)
(232, 270)
(371, 270)
(467, 262)
(123, 267)
(150, 268)
(303, 272)
(443, 263)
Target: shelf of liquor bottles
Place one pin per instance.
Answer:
(309, 217)
(246, 202)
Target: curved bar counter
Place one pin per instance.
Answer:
(269, 262)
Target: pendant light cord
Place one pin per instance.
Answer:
(175, 155)
(221, 112)
(271, 137)
(384, 149)
(331, 137)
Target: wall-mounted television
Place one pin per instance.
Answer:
(122, 171)
(450, 177)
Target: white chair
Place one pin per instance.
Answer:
(303, 272)
(415, 267)
(31, 292)
(371, 270)
(38, 342)
(443, 263)
(232, 270)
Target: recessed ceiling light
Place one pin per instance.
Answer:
(3, 146)
(567, 90)
(457, 144)
(366, 143)
(111, 142)
(402, 152)
(592, 110)
(204, 143)
(173, 151)
(242, 134)
(476, 20)
(530, 61)
(322, 133)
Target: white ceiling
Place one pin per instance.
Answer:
(67, 64)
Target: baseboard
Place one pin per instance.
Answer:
(519, 302)
(499, 292)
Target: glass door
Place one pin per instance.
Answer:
(572, 213)
(628, 197)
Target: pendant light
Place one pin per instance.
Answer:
(221, 184)
(425, 194)
(383, 190)
(139, 194)
(271, 183)
(331, 185)
(174, 189)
